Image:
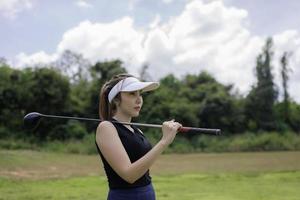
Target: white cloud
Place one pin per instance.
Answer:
(288, 41)
(155, 22)
(83, 4)
(97, 41)
(10, 8)
(41, 57)
(205, 36)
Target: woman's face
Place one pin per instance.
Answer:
(131, 103)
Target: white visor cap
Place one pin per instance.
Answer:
(131, 84)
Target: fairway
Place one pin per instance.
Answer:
(225, 176)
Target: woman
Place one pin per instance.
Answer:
(125, 152)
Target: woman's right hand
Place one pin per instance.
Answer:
(170, 129)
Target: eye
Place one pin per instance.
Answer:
(132, 93)
(135, 93)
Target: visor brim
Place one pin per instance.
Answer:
(143, 86)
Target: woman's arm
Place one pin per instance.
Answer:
(112, 149)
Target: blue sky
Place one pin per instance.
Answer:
(222, 37)
(41, 27)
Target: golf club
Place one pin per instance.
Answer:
(31, 121)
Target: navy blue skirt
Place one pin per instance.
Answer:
(139, 193)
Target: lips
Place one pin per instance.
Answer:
(137, 108)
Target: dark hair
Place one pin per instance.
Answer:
(106, 109)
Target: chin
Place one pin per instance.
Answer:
(136, 114)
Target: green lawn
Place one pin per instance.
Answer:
(228, 176)
(254, 186)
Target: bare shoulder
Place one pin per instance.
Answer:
(105, 127)
(105, 124)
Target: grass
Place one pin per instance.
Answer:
(32, 175)
(71, 188)
(42, 165)
(229, 186)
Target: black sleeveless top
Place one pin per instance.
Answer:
(136, 146)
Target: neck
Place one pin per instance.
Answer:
(121, 117)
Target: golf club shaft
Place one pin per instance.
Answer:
(182, 129)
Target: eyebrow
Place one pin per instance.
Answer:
(140, 91)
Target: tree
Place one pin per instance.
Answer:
(144, 75)
(197, 100)
(73, 65)
(285, 77)
(103, 71)
(166, 103)
(49, 92)
(3, 61)
(294, 117)
(14, 97)
(261, 99)
(100, 73)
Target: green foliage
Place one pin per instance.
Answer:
(4, 132)
(262, 97)
(73, 65)
(100, 73)
(69, 130)
(197, 100)
(13, 97)
(246, 142)
(285, 70)
(80, 96)
(84, 146)
(13, 144)
(49, 93)
(294, 117)
(180, 145)
(213, 104)
(161, 103)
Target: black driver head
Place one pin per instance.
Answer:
(31, 120)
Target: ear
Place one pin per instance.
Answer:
(117, 102)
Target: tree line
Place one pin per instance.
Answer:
(71, 85)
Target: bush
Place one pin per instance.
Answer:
(247, 142)
(180, 145)
(70, 130)
(205, 143)
(264, 141)
(153, 135)
(13, 144)
(4, 132)
(269, 142)
(83, 146)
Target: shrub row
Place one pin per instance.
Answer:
(265, 141)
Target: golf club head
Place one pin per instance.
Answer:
(31, 120)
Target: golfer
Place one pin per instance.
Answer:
(125, 152)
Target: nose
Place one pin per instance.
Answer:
(139, 98)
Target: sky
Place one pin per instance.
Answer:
(222, 37)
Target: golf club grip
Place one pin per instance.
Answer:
(200, 130)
